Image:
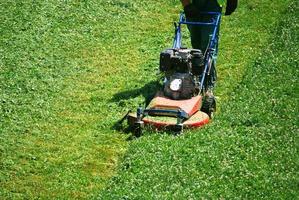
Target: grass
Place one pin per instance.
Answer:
(70, 69)
(58, 61)
(250, 150)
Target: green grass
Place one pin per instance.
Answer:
(61, 63)
(70, 69)
(248, 152)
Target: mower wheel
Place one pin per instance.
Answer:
(178, 128)
(209, 105)
(137, 129)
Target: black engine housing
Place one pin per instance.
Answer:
(181, 65)
(181, 61)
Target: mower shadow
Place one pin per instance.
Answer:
(148, 91)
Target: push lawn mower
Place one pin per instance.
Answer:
(186, 99)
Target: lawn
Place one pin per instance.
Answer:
(70, 69)
(250, 149)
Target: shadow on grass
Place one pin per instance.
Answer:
(148, 91)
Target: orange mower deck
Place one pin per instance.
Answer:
(191, 107)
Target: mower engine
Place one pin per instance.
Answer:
(181, 67)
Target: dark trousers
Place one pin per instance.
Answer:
(200, 35)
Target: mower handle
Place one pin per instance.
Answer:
(182, 20)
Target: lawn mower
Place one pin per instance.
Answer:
(186, 99)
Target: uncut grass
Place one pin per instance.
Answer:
(248, 152)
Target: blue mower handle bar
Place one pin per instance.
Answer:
(215, 23)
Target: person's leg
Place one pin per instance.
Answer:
(195, 35)
(207, 31)
(195, 31)
(200, 35)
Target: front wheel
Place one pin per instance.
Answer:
(138, 128)
(209, 105)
